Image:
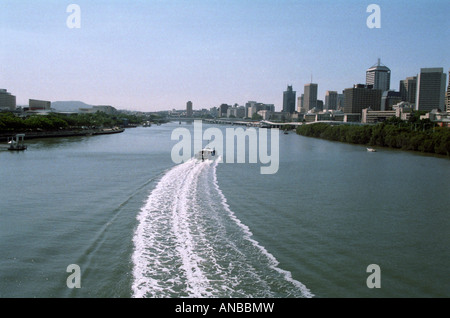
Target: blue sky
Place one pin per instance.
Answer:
(156, 55)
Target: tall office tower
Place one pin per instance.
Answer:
(340, 101)
(447, 96)
(300, 104)
(189, 111)
(7, 101)
(319, 105)
(379, 76)
(223, 110)
(250, 108)
(360, 97)
(310, 96)
(431, 89)
(289, 100)
(331, 100)
(408, 89)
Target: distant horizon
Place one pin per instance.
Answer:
(156, 56)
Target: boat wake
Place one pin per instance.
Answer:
(188, 243)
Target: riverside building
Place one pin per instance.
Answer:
(431, 89)
(379, 76)
(361, 96)
(7, 101)
(289, 100)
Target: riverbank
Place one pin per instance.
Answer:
(63, 133)
(397, 136)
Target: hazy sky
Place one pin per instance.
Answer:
(155, 55)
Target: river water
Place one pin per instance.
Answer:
(139, 225)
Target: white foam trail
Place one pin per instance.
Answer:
(187, 243)
(163, 240)
(273, 261)
(197, 282)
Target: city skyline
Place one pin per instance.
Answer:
(152, 56)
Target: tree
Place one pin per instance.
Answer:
(256, 117)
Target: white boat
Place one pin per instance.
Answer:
(206, 153)
(371, 150)
(17, 143)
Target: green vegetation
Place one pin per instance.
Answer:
(11, 123)
(256, 116)
(287, 127)
(415, 134)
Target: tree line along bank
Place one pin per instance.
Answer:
(415, 134)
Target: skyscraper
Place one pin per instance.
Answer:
(331, 100)
(360, 97)
(431, 89)
(310, 96)
(340, 101)
(223, 110)
(189, 111)
(408, 89)
(300, 103)
(379, 76)
(289, 100)
(447, 96)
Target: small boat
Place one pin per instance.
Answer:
(16, 143)
(206, 153)
(285, 132)
(371, 150)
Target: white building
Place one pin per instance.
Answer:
(379, 76)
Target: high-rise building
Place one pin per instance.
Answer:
(408, 89)
(340, 101)
(360, 97)
(431, 89)
(310, 96)
(389, 99)
(447, 96)
(223, 110)
(331, 100)
(250, 108)
(7, 101)
(189, 111)
(319, 105)
(300, 104)
(379, 76)
(289, 100)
